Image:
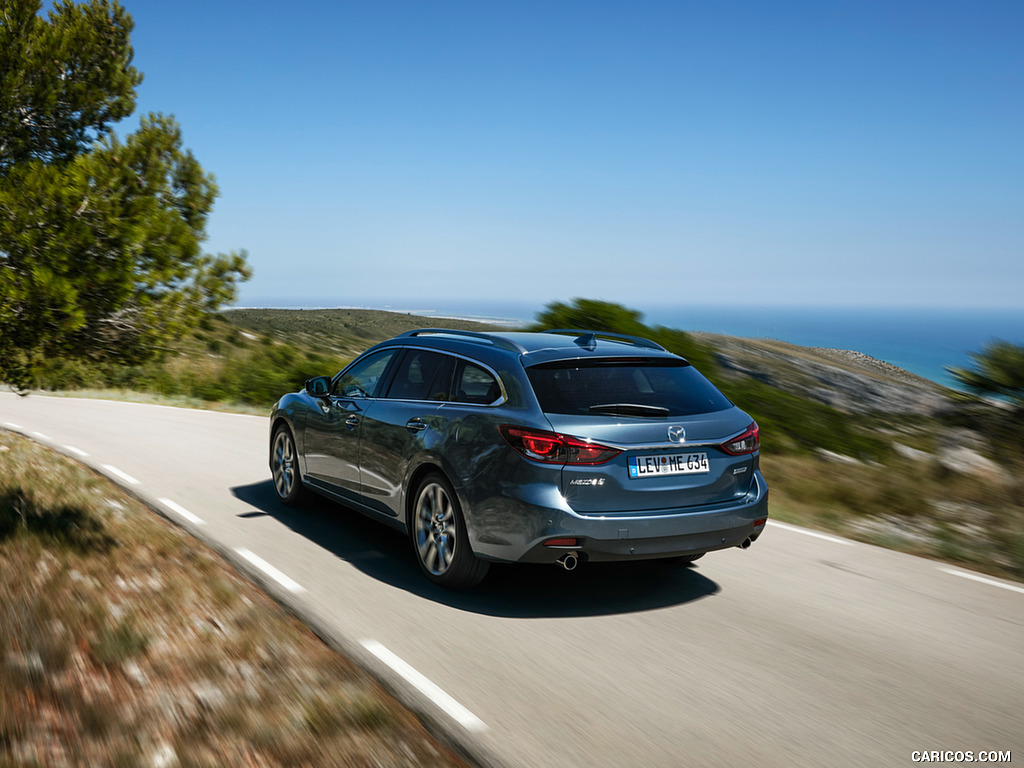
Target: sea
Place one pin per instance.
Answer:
(927, 342)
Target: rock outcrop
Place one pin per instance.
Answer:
(847, 380)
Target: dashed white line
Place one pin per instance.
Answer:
(41, 436)
(982, 579)
(12, 425)
(285, 581)
(118, 473)
(459, 713)
(806, 532)
(76, 451)
(182, 512)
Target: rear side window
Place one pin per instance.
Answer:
(474, 384)
(625, 387)
(422, 375)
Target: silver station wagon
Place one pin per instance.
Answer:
(558, 447)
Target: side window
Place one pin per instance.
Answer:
(362, 377)
(475, 385)
(422, 375)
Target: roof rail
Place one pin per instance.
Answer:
(587, 338)
(498, 341)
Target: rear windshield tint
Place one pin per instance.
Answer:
(625, 386)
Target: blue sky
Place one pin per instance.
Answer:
(790, 153)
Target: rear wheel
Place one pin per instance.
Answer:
(439, 537)
(284, 466)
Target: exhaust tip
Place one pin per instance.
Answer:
(568, 561)
(746, 543)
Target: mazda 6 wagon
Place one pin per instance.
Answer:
(557, 447)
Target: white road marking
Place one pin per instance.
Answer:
(118, 473)
(806, 532)
(982, 579)
(288, 583)
(459, 713)
(12, 425)
(182, 512)
(41, 436)
(76, 451)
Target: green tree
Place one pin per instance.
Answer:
(592, 315)
(100, 237)
(597, 315)
(998, 370)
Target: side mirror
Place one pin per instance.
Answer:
(318, 386)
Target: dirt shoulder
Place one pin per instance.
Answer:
(126, 642)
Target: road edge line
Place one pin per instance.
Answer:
(982, 579)
(809, 532)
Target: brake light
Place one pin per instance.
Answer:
(541, 447)
(553, 448)
(748, 442)
(583, 452)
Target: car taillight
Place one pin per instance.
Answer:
(553, 448)
(748, 442)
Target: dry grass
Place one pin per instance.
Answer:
(914, 507)
(123, 642)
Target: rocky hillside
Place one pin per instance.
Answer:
(844, 379)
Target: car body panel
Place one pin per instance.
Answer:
(330, 440)
(396, 436)
(609, 488)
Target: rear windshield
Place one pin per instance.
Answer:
(651, 387)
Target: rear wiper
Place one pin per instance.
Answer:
(630, 409)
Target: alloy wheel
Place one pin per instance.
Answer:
(436, 529)
(284, 465)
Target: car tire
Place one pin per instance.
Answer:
(284, 467)
(439, 536)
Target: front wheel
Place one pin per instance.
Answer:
(284, 466)
(440, 539)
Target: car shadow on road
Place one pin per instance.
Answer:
(514, 591)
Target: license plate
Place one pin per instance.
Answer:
(668, 464)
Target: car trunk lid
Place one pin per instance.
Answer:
(666, 464)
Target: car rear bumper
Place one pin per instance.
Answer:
(527, 525)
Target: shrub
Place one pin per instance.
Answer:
(806, 424)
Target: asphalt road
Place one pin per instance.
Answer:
(804, 650)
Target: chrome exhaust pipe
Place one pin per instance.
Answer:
(746, 543)
(569, 561)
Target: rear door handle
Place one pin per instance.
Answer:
(352, 421)
(416, 424)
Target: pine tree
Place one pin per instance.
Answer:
(100, 237)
